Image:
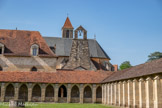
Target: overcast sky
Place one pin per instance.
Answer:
(126, 29)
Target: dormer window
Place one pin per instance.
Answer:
(34, 50)
(1, 48)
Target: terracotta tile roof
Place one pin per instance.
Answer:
(145, 69)
(56, 77)
(67, 24)
(18, 42)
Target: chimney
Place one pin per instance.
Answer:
(115, 67)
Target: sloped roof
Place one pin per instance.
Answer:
(63, 47)
(149, 68)
(67, 24)
(55, 77)
(18, 42)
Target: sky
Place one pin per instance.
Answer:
(128, 30)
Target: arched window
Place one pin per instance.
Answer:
(67, 34)
(1, 69)
(99, 92)
(36, 91)
(23, 92)
(75, 91)
(62, 91)
(9, 91)
(33, 69)
(87, 92)
(49, 91)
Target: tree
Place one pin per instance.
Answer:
(154, 56)
(125, 65)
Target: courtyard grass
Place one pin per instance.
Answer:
(58, 105)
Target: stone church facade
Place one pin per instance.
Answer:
(72, 70)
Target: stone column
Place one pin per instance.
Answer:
(56, 92)
(124, 97)
(81, 93)
(157, 93)
(111, 93)
(105, 93)
(119, 92)
(102, 94)
(2, 92)
(130, 93)
(68, 93)
(115, 93)
(94, 93)
(30, 85)
(108, 93)
(149, 93)
(141, 93)
(43, 90)
(135, 94)
(16, 94)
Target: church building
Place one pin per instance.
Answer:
(72, 69)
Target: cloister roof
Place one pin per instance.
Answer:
(61, 76)
(149, 68)
(18, 43)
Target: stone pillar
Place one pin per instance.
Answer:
(142, 93)
(108, 93)
(119, 92)
(130, 93)
(68, 93)
(56, 92)
(124, 97)
(94, 93)
(16, 94)
(115, 93)
(111, 93)
(43, 90)
(105, 93)
(135, 94)
(2, 92)
(149, 93)
(30, 85)
(102, 94)
(81, 93)
(157, 93)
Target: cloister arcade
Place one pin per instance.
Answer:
(61, 93)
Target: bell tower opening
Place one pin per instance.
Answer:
(67, 29)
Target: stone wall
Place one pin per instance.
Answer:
(25, 64)
(55, 98)
(143, 92)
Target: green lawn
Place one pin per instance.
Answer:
(58, 105)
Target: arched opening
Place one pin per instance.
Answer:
(9, 94)
(49, 95)
(1, 69)
(36, 93)
(33, 69)
(62, 94)
(87, 94)
(67, 34)
(23, 92)
(99, 95)
(75, 94)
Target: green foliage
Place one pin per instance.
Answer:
(125, 65)
(154, 56)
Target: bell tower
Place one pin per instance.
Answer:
(67, 29)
